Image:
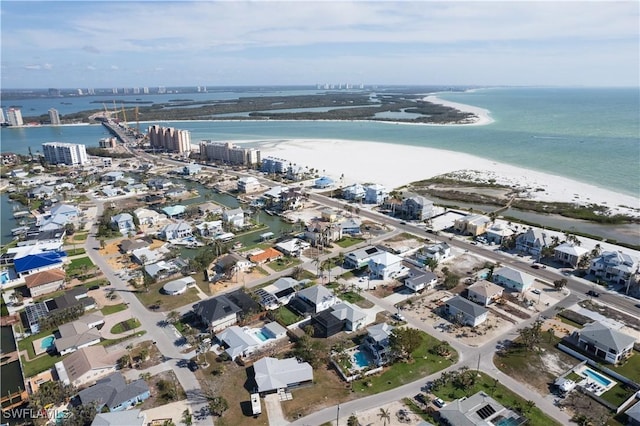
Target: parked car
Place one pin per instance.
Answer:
(538, 266)
(593, 293)
(535, 291)
(439, 402)
(398, 316)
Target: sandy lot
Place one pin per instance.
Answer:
(372, 418)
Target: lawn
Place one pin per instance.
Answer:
(38, 365)
(75, 252)
(125, 326)
(165, 302)
(351, 297)
(99, 282)
(81, 236)
(112, 309)
(630, 369)
(424, 363)
(286, 316)
(284, 263)
(349, 241)
(500, 393)
(26, 344)
(618, 394)
(77, 265)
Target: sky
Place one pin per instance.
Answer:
(85, 44)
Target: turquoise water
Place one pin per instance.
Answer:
(47, 342)
(361, 359)
(597, 377)
(260, 335)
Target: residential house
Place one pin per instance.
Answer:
(329, 215)
(418, 279)
(220, 312)
(633, 415)
(614, 266)
(175, 212)
(605, 343)
(86, 365)
(570, 254)
(146, 256)
(532, 242)
(354, 192)
(210, 208)
(438, 252)
(237, 342)
(472, 224)
(159, 184)
(232, 263)
(248, 185)
(271, 198)
(323, 233)
(291, 199)
(176, 231)
(385, 266)
(272, 374)
(513, 279)
(133, 417)
(79, 334)
(45, 282)
(376, 194)
(377, 343)
(112, 177)
(148, 217)
(324, 182)
(277, 294)
(67, 211)
(52, 223)
(76, 296)
(312, 300)
(42, 191)
(234, 217)
(354, 318)
(265, 256)
(497, 233)
(417, 208)
(114, 393)
(129, 245)
(178, 192)
(460, 310)
(209, 229)
(293, 247)
(191, 169)
(39, 262)
(163, 269)
(479, 410)
(296, 172)
(484, 292)
(360, 258)
(123, 222)
(351, 226)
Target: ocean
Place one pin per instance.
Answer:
(590, 135)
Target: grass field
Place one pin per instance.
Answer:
(349, 241)
(286, 316)
(284, 263)
(630, 369)
(125, 326)
(112, 309)
(166, 303)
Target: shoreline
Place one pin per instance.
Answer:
(484, 115)
(395, 166)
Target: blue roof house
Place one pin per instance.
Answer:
(324, 182)
(114, 393)
(39, 262)
(174, 212)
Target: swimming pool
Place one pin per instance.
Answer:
(260, 335)
(597, 377)
(360, 359)
(47, 342)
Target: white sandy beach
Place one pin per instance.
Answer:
(397, 165)
(483, 115)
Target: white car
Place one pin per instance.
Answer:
(535, 291)
(439, 402)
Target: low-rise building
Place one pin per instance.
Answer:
(277, 294)
(312, 300)
(87, 365)
(234, 217)
(418, 279)
(123, 223)
(114, 393)
(497, 233)
(377, 342)
(272, 374)
(438, 252)
(417, 208)
(484, 292)
(45, 282)
(176, 231)
(472, 224)
(79, 334)
(293, 247)
(479, 410)
(360, 258)
(248, 185)
(570, 254)
(605, 343)
(532, 242)
(375, 194)
(464, 312)
(385, 266)
(614, 266)
(513, 279)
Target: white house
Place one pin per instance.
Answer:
(513, 279)
(614, 266)
(293, 247)
(353, 192)
(234, 217)
(147, 216)
(605, 343)
(497, 233)
(248, 184)
(418, 280)
(438, 252)
(354, 318)
(484, 292)
(277, 294)
(360, 258)
(569, 254)
(375, 194)
(385, 266)
(312, 300)
(123, 222)
(468, 313)
(272, 374)
(210, 228)
(532, 242)
(174, 231)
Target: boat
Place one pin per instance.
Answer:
(20, 230)
(21, 213)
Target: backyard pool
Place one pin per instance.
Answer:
(360, 359)
(260, 335)
(596, 377)
(47, 342)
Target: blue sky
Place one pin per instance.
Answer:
(142, 43)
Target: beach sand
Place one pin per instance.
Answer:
(395, 166)
(483, 115)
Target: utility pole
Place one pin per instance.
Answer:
(338, 415)
(478, 368)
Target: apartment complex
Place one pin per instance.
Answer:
(170, 139)
(54, 117)
(229, 153)
(70, 154)
(14, 117)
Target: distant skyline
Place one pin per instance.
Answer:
(91, 44)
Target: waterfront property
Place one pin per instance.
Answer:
(614, 266)
(570, 254)
(532, 242)
(472, 224)
(79, 334)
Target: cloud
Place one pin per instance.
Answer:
(38, 66)
(115, 67)
(91, 68)
(90, 49)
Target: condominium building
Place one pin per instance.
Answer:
(54, 117)
(14, 117)
(170, 139)
(2, 119)
(70, 154)
(227, 152)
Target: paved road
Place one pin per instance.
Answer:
(163, 336)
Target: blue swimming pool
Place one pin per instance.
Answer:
(597, 377)
(260, 335)
(47, 342)
(361, 359)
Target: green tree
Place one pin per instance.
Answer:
(353, 420)
(560, 284)
(187, 418)
(218, 405)
(404, 341)
(384, 416)
(531, 336)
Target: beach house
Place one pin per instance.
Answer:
(438, 252)
(513, 279)
(460, 310)
(385, 266)
(248, 185)
(484, 292)
(39, 262)
(614, 266)
(605, 343)
(497, 233)
(417, 208)
(472, 224)
(234, 217)
(176, 231)
(419, 279)
(377, 342)
(532, 242)
(277, 294)
(272, 374)
(147, 216)
(87, 365)
(114, 393)
(354, 192)
(570, 254)
(479, 409)
(360, 258)
(123, 223)
(375, 194)
(312, 300)
(79, 333)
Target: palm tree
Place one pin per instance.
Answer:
(384, 416)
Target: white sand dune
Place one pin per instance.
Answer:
(483, 115)
(397, 165)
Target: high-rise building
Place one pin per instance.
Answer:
(170, 139)
(54, 117)
(145, 90)
(14, 117)
(114, 91)
(227, 152)
(79, 91)
(91, 91)
(2, 119)
(70, 154)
